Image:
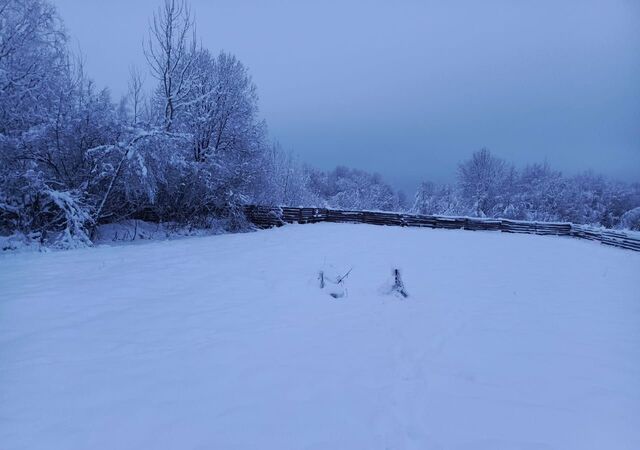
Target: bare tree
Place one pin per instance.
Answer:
(169, 51)
(136, 93)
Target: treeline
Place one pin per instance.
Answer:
(187, 143)
(488, 186)
(340, 188)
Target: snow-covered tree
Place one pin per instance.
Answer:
(288, 181)
(431, 199)
(33, 58)
(537, 194)
(630, 220)
(346, 188)
(222, 107)
(170, 52)
(50, 115)
(490, 187)
(482, 180)
(426, 200)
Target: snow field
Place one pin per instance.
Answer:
(505, 342)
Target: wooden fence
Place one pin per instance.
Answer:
(267, 217)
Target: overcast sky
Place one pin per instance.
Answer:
(409, 88)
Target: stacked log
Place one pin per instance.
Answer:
(474, 224)
(264, 216)
(450, 223)
(418, 220)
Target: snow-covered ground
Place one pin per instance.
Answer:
(227, 342)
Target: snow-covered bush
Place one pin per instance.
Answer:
(630, 220)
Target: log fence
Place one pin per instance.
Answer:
(268, 217)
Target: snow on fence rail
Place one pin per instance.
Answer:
(267, 217)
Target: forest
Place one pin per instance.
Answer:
(187, 142)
